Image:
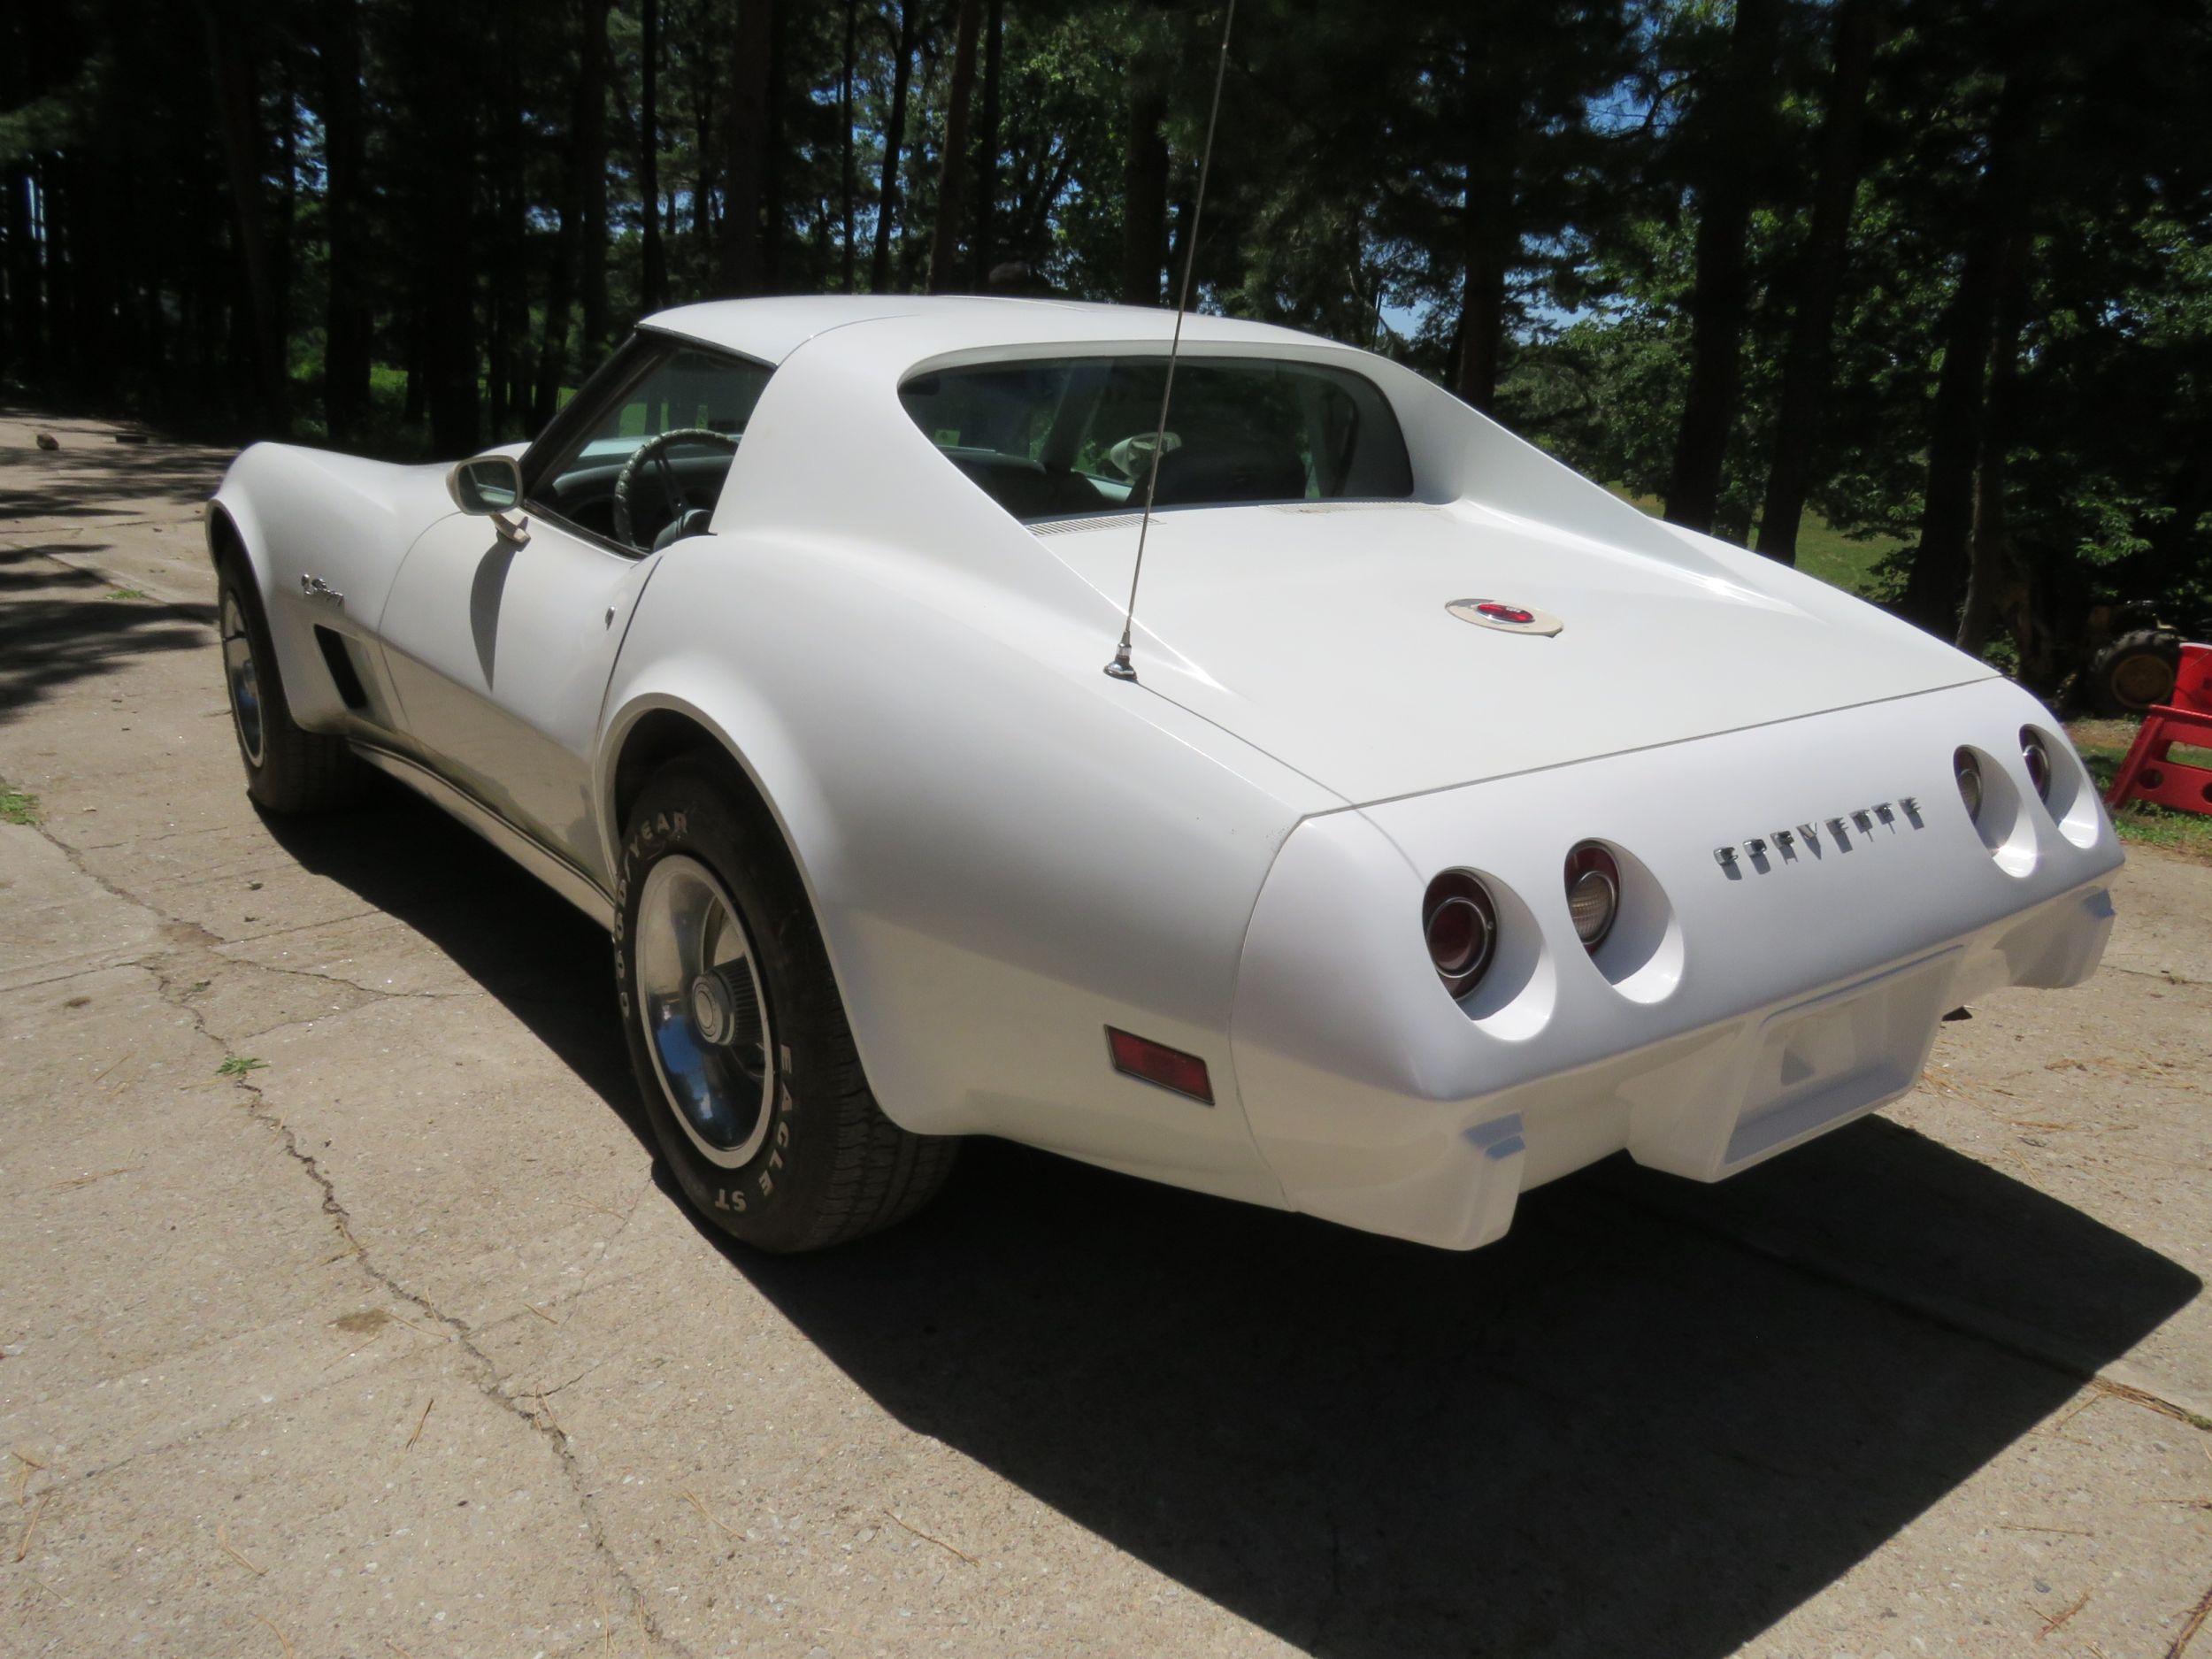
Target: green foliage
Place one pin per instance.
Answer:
(240, 1065)
(16, 807)
(1373, 177)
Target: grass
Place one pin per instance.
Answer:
(1851, 562)
(2102, 745)
(129, 593)
(17, 807)
(239, 1065)
(1843, 561)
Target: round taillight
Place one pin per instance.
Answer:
(1969, 772)
(1461, 925)
(2038, 759)
(1593, 893)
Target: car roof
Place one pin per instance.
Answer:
(768, 330)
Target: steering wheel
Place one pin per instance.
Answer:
(655, 450)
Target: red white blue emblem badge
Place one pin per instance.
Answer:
(1507, 618)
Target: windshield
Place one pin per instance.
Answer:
(1065, 436)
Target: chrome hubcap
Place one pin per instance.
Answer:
(701, 1005)
(242, 677)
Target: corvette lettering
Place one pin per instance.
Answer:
(1840, 833)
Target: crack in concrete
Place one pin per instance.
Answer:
(2160, 974)
(487, 1378)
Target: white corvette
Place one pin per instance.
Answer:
(1460, 825)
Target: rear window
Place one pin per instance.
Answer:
(1066, 436)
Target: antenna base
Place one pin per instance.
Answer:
(1119, 669)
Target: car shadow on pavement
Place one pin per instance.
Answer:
(537, 956)
(1649, 1422)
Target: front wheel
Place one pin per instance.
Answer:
(287, 769)
(738, 1035)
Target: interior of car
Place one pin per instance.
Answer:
(1072, 436)
(647, 469)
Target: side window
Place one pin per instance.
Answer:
(649, 466)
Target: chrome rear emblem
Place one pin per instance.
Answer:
(1507, 618)
(1862, 826)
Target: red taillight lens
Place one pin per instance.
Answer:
(2037, 757)
(1156, 1063)
(1461, 925)
(1593, 893)
(1968, 771)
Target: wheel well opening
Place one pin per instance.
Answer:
(665, 735)
(222, 536)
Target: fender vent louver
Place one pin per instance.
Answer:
(339, 658)
(1076, 526)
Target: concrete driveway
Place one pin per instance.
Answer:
(343, 1310)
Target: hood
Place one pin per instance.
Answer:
(1318, 632)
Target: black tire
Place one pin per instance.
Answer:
(295, 771)
(2122, 676)
(832, 1167)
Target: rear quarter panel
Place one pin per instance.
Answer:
(1007, 851)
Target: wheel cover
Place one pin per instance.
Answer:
(703, 1010)
(243, 678)
(2143, 679)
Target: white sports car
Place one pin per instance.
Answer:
(1459, 826)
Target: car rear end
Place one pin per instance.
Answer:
(1702, 952)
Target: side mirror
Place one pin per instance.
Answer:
(489, 486)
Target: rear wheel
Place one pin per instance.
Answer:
(287, 770)
(738, 1035)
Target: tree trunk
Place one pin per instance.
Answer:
(345, 338)
(894, 137)
(653, 265)
(1144, 178)
(1989, 556)
(1936, 581)
(1491, 240)
(1733, 119)
(591, 160)
(1820, 277)
(704, 151)
(981, 254)
(231, 61)
(944, 249)
(773, 214)
(561, 287)
(507, 369)
(743, 267)
(445, 174)
(847, 172)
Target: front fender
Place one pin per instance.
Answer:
(302, 515)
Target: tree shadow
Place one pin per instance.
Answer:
(47, 643)
(93, 476)
(1617, 1432)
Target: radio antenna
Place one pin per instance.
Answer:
(1120, 667)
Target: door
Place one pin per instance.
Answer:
(501, 651)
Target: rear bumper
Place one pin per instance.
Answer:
(1745, 1011)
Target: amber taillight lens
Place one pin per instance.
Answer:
(1461, 925)
(1593, 893)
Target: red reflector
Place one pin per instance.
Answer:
(1155, 1063)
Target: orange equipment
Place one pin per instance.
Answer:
(2146, 774)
